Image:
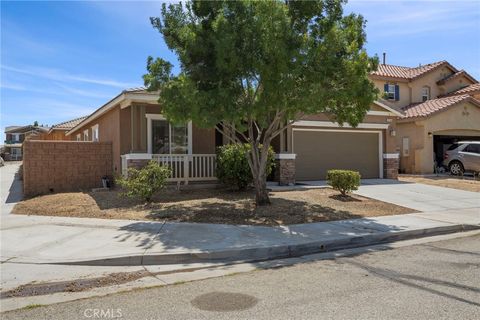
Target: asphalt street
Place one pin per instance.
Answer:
(435, 280)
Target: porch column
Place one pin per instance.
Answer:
(390, 165)
(285, 168)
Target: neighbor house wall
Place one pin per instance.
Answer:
(459, 120)
(62, 166)
(457, 83)
(53, 135)
(108, 131)
(405, 92)
(430, 79)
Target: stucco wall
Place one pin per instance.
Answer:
(411, 92)
(456, 84)
(405, 94)
(53, 135)
(429, 79)
(462, 119)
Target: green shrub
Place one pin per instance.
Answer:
(144, 183)
(343, 180)
(233, 169)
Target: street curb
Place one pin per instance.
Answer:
(273, 252)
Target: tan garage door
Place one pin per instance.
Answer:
(319, 151)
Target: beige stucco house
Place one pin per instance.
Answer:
(134, 123)
(422, 110)
(439, 106)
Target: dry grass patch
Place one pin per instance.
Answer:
(213, 206)
(467, 184)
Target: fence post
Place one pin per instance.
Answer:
(186, 168)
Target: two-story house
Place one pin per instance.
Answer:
(14, 137)
(439, 106)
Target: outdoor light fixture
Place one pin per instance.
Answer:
(430, 134)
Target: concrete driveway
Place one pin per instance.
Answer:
(10, 185)
(419, 196)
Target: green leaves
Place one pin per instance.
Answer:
(232, 165)
(144, 183)
(251, 59)
(159, 73)
(343, 180)
(257, 66)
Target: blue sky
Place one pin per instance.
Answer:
(61, 60)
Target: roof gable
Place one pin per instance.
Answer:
(460, 73)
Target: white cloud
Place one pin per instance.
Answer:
(63, 76)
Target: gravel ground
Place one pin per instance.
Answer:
(467, 184)
(213, 206)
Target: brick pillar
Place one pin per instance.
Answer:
(285, 168)
(390, 165)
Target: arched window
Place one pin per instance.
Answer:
(425, 93)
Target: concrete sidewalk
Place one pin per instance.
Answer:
(101, 242)
(11, 188)
(32, 247)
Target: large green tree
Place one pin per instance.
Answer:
(251, 68)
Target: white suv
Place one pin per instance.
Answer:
(463, 156)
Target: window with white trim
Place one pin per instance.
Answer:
(85, 135)
(79, 137)
(167, 138)
(425, 93)
(95, 133)
(391, 92)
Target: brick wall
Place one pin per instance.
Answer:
(61, 166)
(285, 171)
(390, 168)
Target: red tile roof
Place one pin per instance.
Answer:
(391, 71)
(67, 125)
(424, 109)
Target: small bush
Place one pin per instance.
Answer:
(343, 180)
(144, 183)
(233, 168)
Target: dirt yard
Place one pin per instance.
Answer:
(212, 206)
(466, 183)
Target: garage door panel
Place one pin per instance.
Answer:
(319, 151)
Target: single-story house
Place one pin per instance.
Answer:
(134, 123)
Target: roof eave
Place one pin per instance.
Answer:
(390, 109)
(106, 107)
(124, 96)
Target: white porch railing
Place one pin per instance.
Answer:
(185, 167)
(189, 167)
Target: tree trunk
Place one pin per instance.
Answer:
(261, 192)
(258, 164)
